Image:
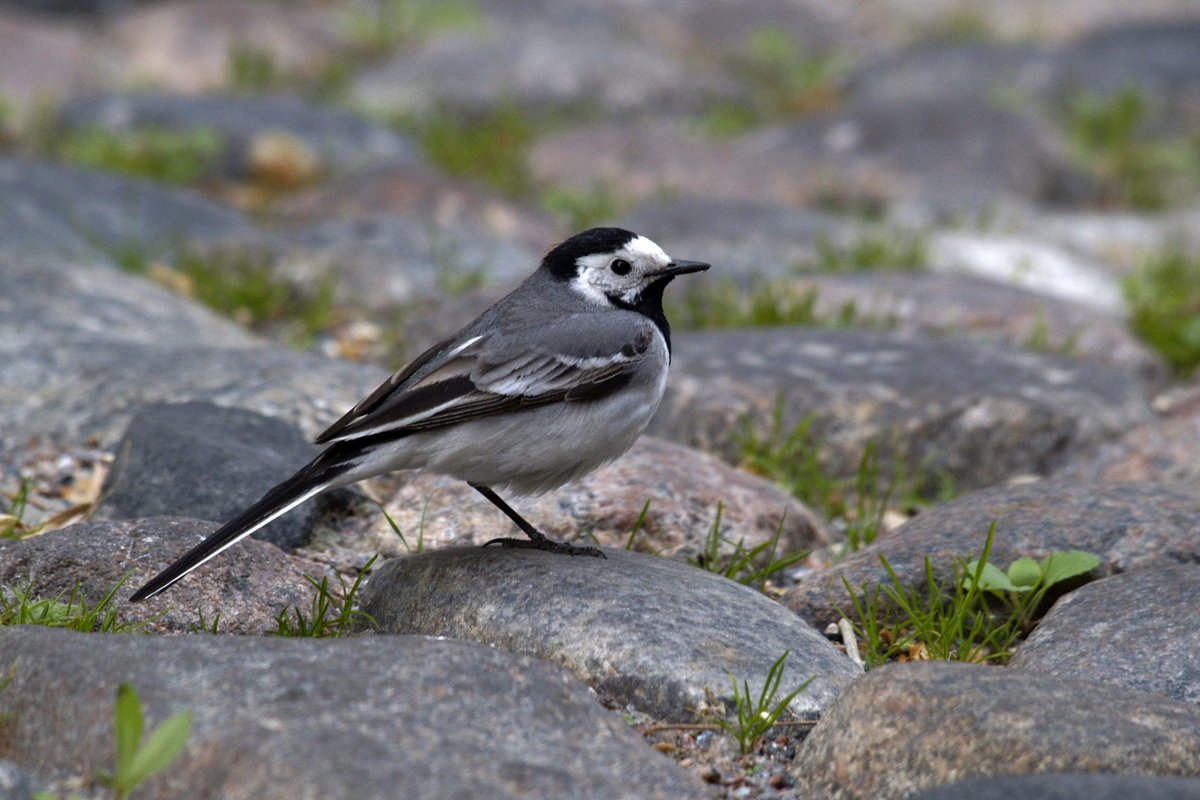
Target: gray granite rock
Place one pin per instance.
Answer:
(659, 635)
(340, 140)
(83, 347)
(1067, 786)
(1128, 525)
(538, 55)
(908, 727)
(190, 47)
(979, 413)
(1159, 59)
(955, 305)
(1134, 629)
(360, 718)
(79, 213)
(39, 59)
(742, 239)
(14, 783)
(206, 462)
(247, 587)
(1161, 450)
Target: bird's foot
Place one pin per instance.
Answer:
(549, 545)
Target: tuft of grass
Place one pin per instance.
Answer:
(782, 81)
(12, 518)
(792, 459)
(419, 546)
(856, 505)
(382, 26)
(138, 758)
(1164, 303)
(492, 146)
(715, 304)
(756, 716)
(245, 287)
(250, 68)
(752, 566)
(579, 209)
(637, 525)
(161, 154)
(977, 615)
(1111, 136)
(68, 609)
(871, 252)
(331, 613)
(205, 625)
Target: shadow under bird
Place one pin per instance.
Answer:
(554, 380)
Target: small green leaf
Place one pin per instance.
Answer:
(128, 725)
(161, 747)
(1025, 572)
(992, 579)
(1061, 566)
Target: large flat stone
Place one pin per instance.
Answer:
(908, 727)
(372, 717)
(642, 630)
(979, 413)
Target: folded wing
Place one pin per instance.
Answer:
(581, 358)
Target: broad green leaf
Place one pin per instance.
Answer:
(161, 747)
(128, 724)
(1061, 566)
(992, 579)
(1025, 572)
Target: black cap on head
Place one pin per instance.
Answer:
(560, 261)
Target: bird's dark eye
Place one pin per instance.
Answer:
(620, 266)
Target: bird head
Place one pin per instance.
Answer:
(613, 266)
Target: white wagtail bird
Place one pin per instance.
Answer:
(554, 380)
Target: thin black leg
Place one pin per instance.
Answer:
(537, 539)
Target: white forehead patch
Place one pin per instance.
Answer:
(644, 248)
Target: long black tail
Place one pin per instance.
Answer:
(309, 481)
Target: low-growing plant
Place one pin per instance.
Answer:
(756, 716)
(976, 615)
(251, 68)
(205, 625)
(492, 147)
(751, 566)
(1111, 135)
(12, 519)
(68, 609)
(782, 80)
(245, 287)
(140, 758)
(1164, 306)
(870, 502)
(381, 26)
(157, 153)
(792, 459)
(578, 209)
(637, 525)
(1023, 587)
(714, 305)
(330, 613)
(871, 252)
(419, 546)
(857, 505)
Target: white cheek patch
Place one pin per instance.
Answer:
(589, 291)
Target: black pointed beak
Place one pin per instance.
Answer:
(680, 267)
